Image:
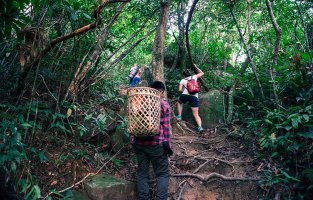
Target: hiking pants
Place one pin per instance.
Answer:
(159, 160)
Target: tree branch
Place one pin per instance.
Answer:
(99, 76)
(126, 42)
(73, 88)
(54, 42)
(249, 59)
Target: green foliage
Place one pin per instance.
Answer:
(11, 17)
(284, 128)
(14, 128)
(19, 124)
(12, 148)
(31, 191)
(284, 134)
(172, 81)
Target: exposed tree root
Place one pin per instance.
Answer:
(215, 175)
(202, 165)
(183, 126)
(182, 188)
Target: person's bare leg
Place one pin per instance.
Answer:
(179, 108)
(195, 112)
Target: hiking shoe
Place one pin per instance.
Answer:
(200, 129)
(178, 118)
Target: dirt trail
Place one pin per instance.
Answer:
(210, 166)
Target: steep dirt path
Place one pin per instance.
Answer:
(210, 166)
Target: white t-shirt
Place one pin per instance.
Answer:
(184, 83)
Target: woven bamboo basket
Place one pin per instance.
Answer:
(143, 111)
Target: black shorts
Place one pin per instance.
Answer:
(193, 101)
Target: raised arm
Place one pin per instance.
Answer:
(200, 72)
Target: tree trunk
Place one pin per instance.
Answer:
(188, 44)
(249, 20)
(101, 70)
(230, 110)
(181, 37)
(233, 88)
(180, 57)
(158, 47)
(276, 49)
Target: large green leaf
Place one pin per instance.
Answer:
(306, 135)
(289, 177)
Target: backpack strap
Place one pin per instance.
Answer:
(188, 77)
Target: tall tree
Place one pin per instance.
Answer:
(188, 43)
(276, 49)
(180, 58)
(181, 36)
(158, 47)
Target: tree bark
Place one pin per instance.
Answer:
(276, 49)
(158, 47)
(181, 37)
(230, 110)
(180, 57)
(192, 8)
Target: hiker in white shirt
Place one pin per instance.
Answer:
(192, 99)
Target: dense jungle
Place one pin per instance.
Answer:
(64, 70)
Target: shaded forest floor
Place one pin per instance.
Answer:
(212, 165)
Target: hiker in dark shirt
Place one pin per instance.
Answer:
(155, 151)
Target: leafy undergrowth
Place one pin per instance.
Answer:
(215, 152)
(47, 160)
(67, 164)
(47, 148)
(47, 153)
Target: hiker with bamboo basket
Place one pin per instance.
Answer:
(149, 122)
